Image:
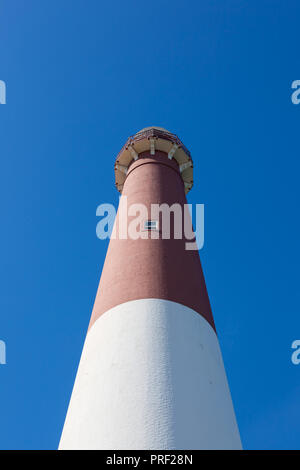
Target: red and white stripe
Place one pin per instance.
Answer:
(151, 375)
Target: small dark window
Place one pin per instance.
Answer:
(150, 225)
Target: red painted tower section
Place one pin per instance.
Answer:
(152, 268)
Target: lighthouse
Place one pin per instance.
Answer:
(151, 374)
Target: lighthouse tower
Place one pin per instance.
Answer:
(151, 374)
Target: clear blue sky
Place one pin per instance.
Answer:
(83, 75)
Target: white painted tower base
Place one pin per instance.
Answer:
(151, 376)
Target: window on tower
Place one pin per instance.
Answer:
(151, 225)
